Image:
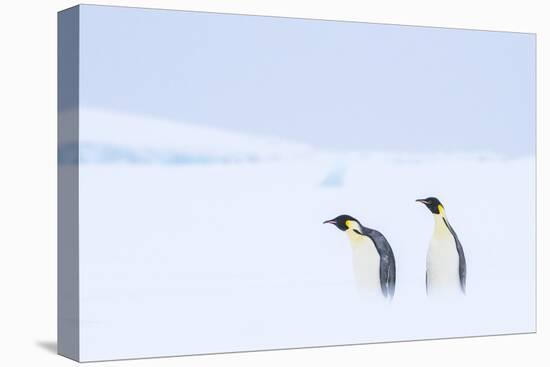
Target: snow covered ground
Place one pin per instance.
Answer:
(230, 254)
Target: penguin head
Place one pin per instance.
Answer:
(433, 204)
(344, 222)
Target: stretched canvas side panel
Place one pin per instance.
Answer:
(67, 184)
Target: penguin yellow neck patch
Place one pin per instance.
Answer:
(354, 232)
(351, 224)
(355, 237)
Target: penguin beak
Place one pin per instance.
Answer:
(331, 221)
(423, 201)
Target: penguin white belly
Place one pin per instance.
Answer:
(442, 265)
(366, 266)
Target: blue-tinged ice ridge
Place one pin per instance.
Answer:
(99, 153)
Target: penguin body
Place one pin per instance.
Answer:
(366, 262)
(372, 257)
(445, 262)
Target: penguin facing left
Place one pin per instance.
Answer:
(445, 263)
(373, 260)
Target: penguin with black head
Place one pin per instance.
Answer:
(445, 263)
(373, 260)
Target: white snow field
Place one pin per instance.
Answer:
(223, 249)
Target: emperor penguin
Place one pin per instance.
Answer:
(373, 260)
(445, 263)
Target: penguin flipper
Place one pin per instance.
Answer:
(461, 258)
(387, 261)
(461, 265)
(387, 279)
(390, 281)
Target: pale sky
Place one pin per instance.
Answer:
(334, 85)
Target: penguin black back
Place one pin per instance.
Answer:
(387, 268)
(387, 260)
